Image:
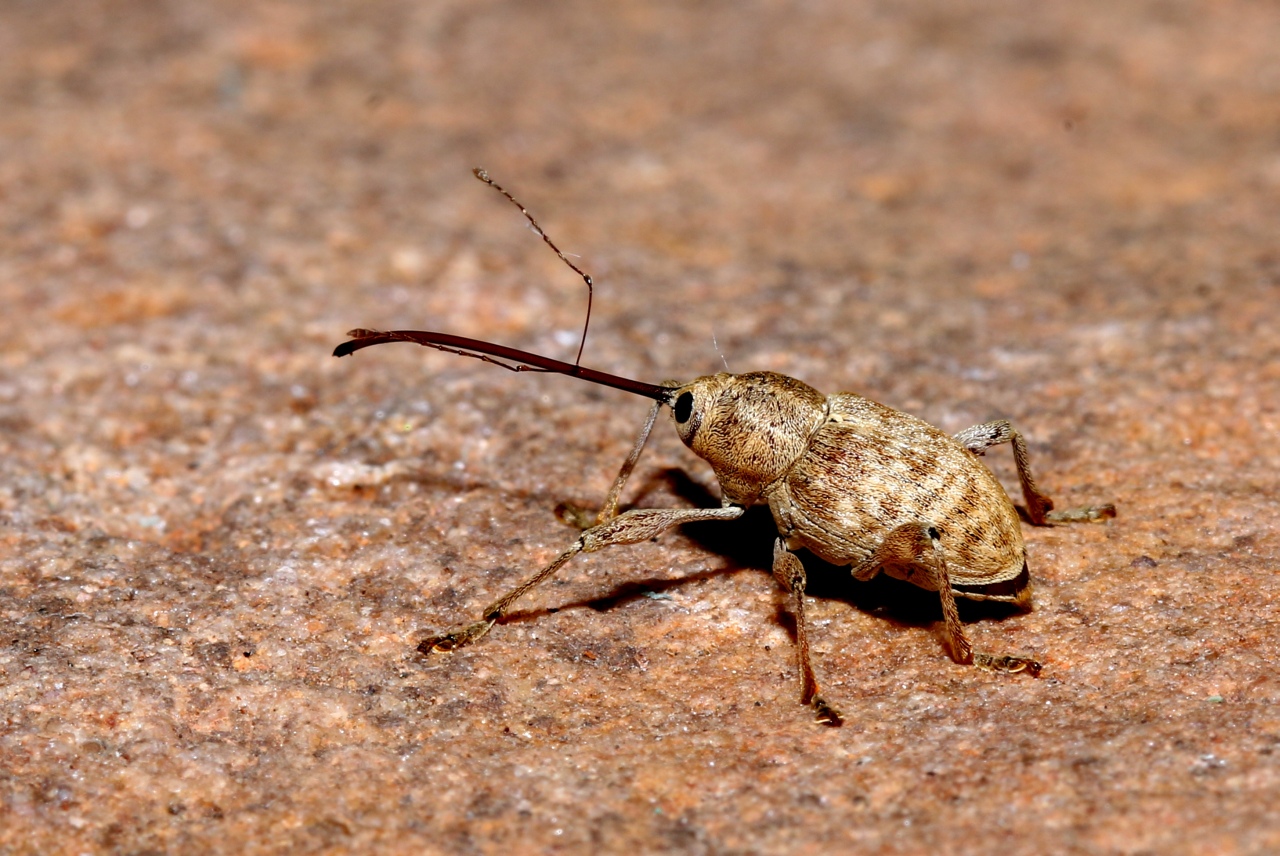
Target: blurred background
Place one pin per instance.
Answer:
(223, 544)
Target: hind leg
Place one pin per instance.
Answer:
(979, 438)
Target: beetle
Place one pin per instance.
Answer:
(854, 482)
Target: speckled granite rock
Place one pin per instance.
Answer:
(222, 545)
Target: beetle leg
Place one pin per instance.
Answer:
(582, 518)
(913, 552)
(789, 571)
(630, 527)
(979, 438)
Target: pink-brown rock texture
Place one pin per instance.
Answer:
(221, 545)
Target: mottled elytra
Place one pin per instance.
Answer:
(856, 483)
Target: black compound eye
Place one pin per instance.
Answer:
(684, 407)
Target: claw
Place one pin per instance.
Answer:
(576, 515)
(825, 714)
(1087, 514)
(1012, 665)
(454, 639)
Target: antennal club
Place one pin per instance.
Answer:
(484, 176)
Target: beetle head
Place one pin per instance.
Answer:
(750, 427)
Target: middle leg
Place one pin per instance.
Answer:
(789, 571)
(913, 552)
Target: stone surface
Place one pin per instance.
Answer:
(221, 545)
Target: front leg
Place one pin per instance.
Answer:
(631, 527)
(582, 518)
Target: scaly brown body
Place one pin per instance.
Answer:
(858, 471)
(870, 469)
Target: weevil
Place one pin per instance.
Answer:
(854, 482)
